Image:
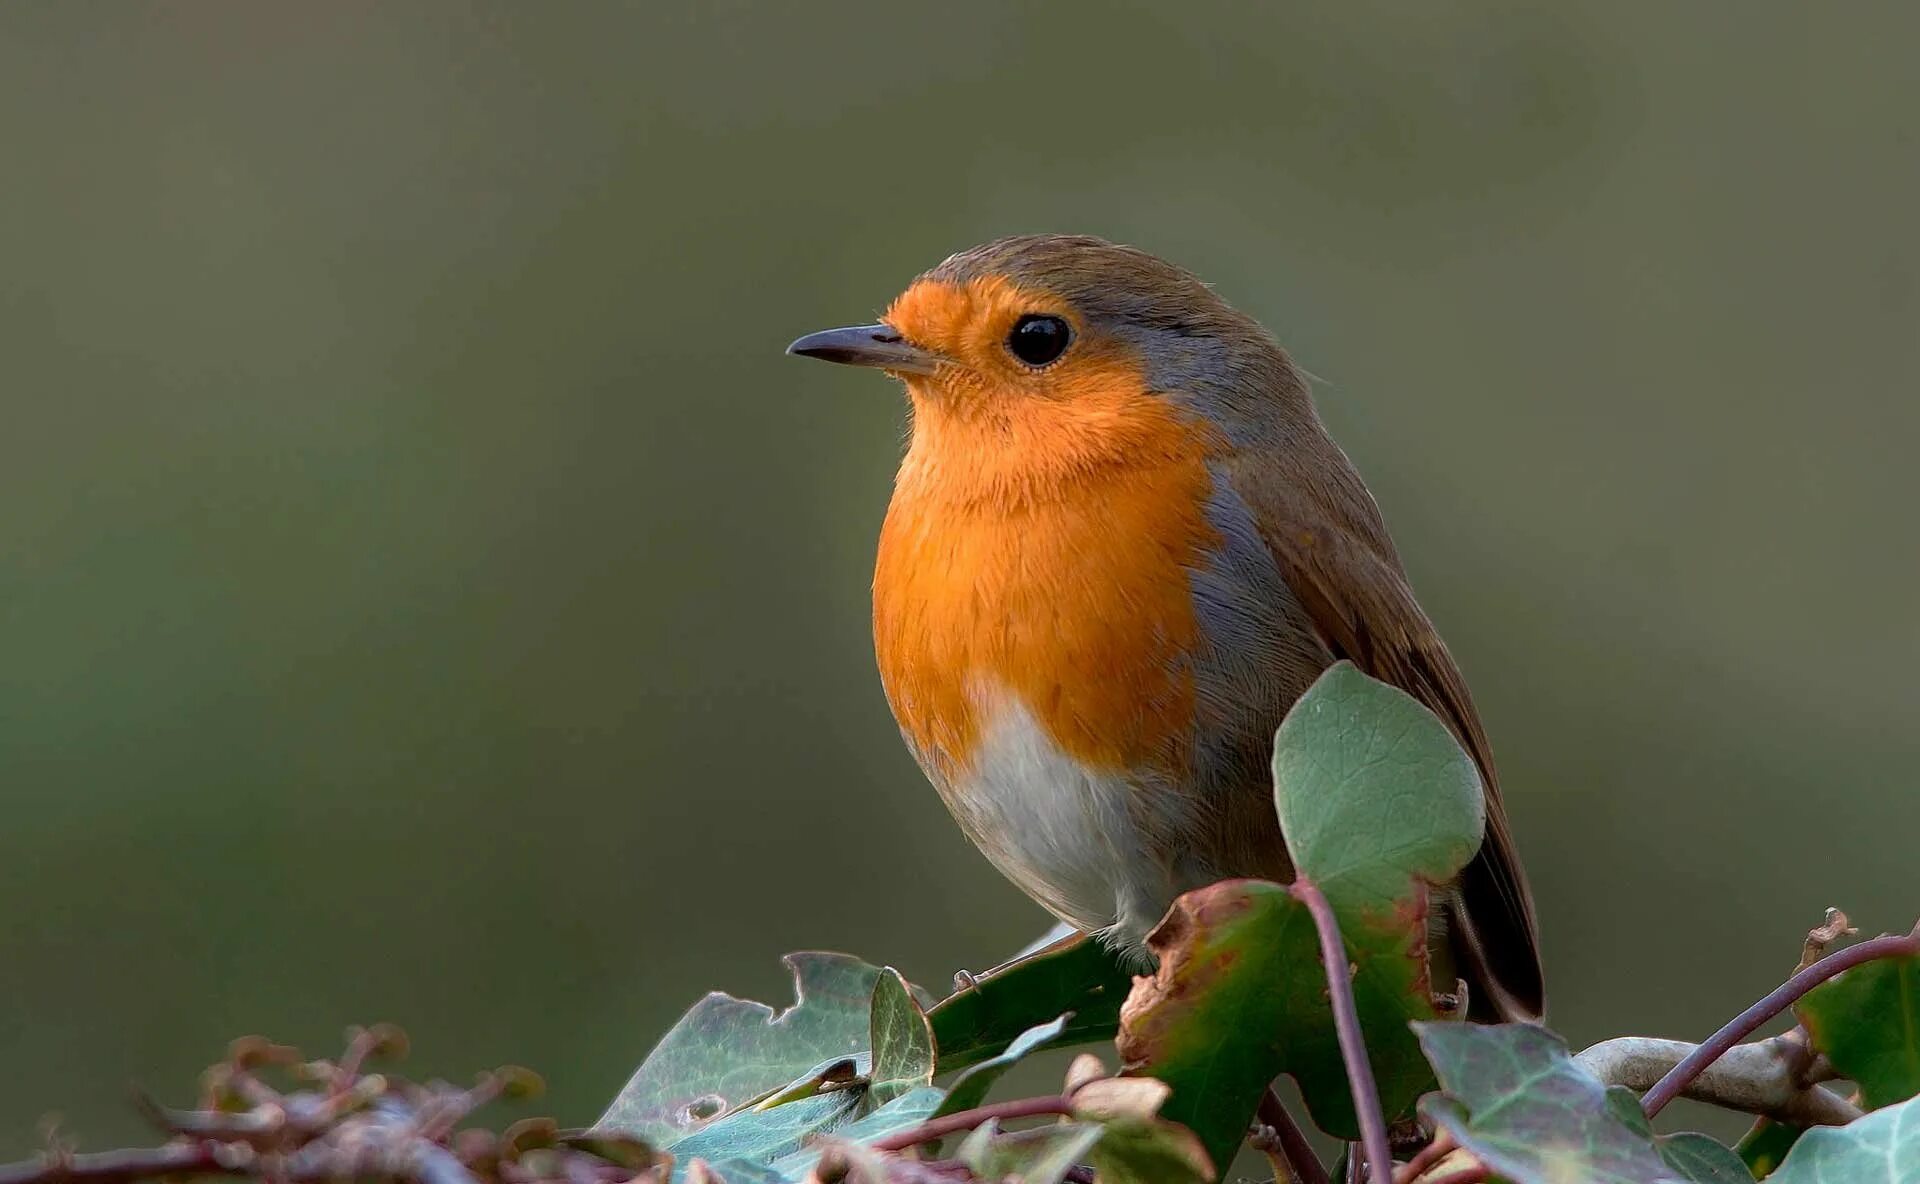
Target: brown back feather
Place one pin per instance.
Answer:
(1332, 549)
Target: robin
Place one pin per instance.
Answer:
(1120, 545)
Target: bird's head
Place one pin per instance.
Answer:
(1082, 341)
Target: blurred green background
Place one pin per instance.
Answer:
(427, 593)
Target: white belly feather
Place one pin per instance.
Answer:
(1063, 833)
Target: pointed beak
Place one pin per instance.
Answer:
(879, 346)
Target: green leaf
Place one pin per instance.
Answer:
(901, 1037)
(1867, 1021)
(1377, 800)
(1122, 1151)
(1765, 1144)
(778, 1141)
(1149, 1151)
(1221, 1018)
(1516, 1099)
(1043, 1155)
(970, 1088)
(731, 1171)
(775, 1134)
(908, 1110)
(834, 1074)
(1694, 1157)
(1372, 788)
(1082, 977)
(726, 1052)
(760, 1136)
(1702, 1159)
(1882, 1148)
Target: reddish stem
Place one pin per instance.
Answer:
(966, 1120)
(1776, 1001)
(1346, 1022)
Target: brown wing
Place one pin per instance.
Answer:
(1332, 549)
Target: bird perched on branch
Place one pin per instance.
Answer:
(1120, 546)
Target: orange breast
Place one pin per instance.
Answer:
(1042, 547)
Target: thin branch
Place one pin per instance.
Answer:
(1771, 1078)
(1346, 1021)
(352, 1127)
(1288, 1139)
(966, 1120)
(119, 1167)
(362, 1043)
(1776, 1001)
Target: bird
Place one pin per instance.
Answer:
(1120, 545)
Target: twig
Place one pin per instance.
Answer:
(378, 1040)
(117, 1167)
(260, 1127)
(1776, 1001)
(1291, 1143)
(352, 1127)
(1771, 1078)
(1835, 927)
(1346, 1022)
(966, 1120)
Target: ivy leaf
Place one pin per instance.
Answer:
(908, 1110)
(1867, 1021)
(777, 1134)
(1694, 1157)
(726, 1052)
(1128, 1151)
(901, 1037)
(1515, 1098)
(970, 1088)
(1702, 1159)
(1377, 801)
(756, 1137)
(1765, 1144)
(1236, 965)
(1371, 788)
(1881, 1148)
(1080, 976)
(780, 1142)
(732, 1171)
(835, 1074)
(1150, 1151)
(1043, 1155)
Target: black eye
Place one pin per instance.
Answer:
(1037, 340)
